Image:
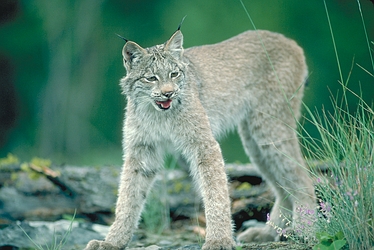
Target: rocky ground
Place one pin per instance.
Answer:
(37, 202)
(74, 236)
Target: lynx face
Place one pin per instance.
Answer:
(155, 75)
(165, 90)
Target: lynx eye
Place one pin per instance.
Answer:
(151, 79)
(174, 74)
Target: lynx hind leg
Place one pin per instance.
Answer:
(273, 147)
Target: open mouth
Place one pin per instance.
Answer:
(164, 104)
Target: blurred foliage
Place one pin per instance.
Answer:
(10, 159)
(60, 63)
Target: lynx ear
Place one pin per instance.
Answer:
(131, 52)
(175, 44)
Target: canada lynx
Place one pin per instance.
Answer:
(184, 99)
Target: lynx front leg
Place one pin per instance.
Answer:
(212, 180)
(136, 179)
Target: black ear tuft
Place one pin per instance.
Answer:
(126, 40)
(180, 24)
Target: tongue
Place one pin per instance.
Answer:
(165, 104)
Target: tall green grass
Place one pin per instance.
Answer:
(156, 214)
(57, 242)
(346, 191)
(346, 144)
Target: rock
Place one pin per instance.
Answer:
(35, 197)
(49, 194)
(251, 197)
(75, 236)
(182, 198)
(92, 192)
(276, 245)
(253, 223)
(188, 247)
(243, 171)
(255, 207)
(151, 247)
(94, 189)
(72, 235)
(28, 199)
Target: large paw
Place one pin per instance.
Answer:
(101, 245)
(223, 244)
(257, 234)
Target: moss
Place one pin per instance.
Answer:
(31, 173)
(250, 213)
(179, 186)
(42, 165)
(14, 176)
(114, 172)
(187, 187)
(9, 160)
(40, 162)
(186, 201)
(244, 186)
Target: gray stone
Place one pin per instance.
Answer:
(253, 223)
(71, 235)
(235, 171)
(92, 191)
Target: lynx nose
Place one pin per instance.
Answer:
(167, 91)
(168, 94)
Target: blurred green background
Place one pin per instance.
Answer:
(60, 63)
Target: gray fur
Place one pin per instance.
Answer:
(184, 99)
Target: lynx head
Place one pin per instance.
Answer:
(155, 75)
